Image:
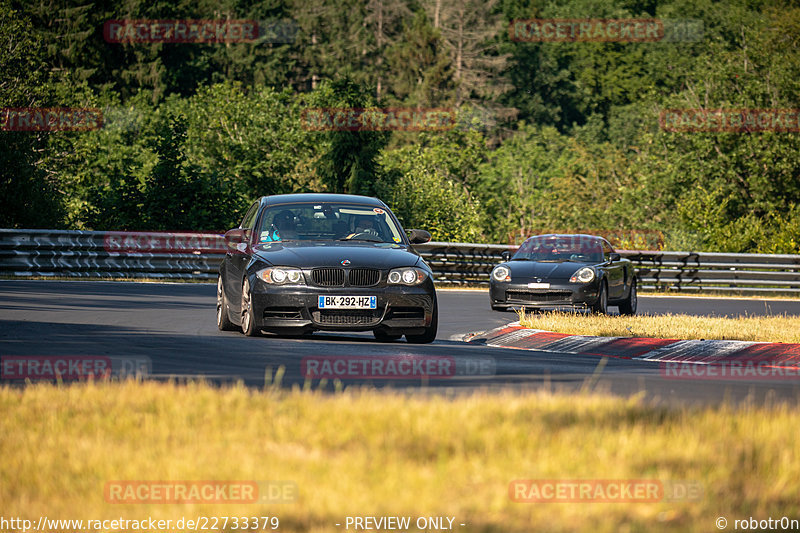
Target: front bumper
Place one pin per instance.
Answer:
(400, 309)
(560, 295)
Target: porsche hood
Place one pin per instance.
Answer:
(544, 270)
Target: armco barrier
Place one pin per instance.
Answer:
(98, 254)
(696, 271)
(101, 254)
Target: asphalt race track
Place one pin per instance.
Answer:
(172, 325)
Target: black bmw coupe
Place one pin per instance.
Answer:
(304, 262)
(557, 271)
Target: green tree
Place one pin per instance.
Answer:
(252, 138)
(164, 192)
(432, 180)
(419, 69)
(423, 198)
(347, 159)
(719, 183)
(28, 194)
(469, 31)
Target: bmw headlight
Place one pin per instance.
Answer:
(583, 275)
(501, 273)
(407, 276)
(281, 276)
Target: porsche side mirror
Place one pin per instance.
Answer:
(614, 257)
(418, 236)
(506, 255)
(234, 237)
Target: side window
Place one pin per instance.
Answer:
(249, 220)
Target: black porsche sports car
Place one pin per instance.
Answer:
(556, 271)
(304, 262)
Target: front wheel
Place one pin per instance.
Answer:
(430, 331)
(223, 319)
(248, 318)
(601, 305)
(628, 307)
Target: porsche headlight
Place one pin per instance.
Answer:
(407, 276)
(583, 275)
(501, 273)
(281, 276)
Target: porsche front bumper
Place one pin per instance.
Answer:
(515, 295)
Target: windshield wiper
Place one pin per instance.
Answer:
(374, 239)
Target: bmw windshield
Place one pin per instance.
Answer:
(557, 249)
(328, 222)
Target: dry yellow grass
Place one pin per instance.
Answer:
(669, 326)
(713, 294)
(375, 453)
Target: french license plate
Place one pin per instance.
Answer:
(347, 302)
(538, 285)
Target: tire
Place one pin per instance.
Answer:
(223, 318)
(248, 318)
(628, 307)
(382, 336)
(430, 331)
(601, 305)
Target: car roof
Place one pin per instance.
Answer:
(278, 199)
(582, 236)
(566, 235)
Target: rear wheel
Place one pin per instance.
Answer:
(223, 319)
(628, 307)
(601, 305)
(248, 318)
(430, 331)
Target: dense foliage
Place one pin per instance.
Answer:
(551, 136)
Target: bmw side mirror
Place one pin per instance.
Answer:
(418, 236)
(506, 255)
(234, 237)
(613, 257)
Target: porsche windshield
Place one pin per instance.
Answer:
(559, 249)
(328, 222)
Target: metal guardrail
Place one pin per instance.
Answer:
(94, 254)
(100, 254)
(699, 271)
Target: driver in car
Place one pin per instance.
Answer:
(366, 225)
(283, 227)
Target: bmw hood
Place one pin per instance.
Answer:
(545, 271)
(306, 254)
